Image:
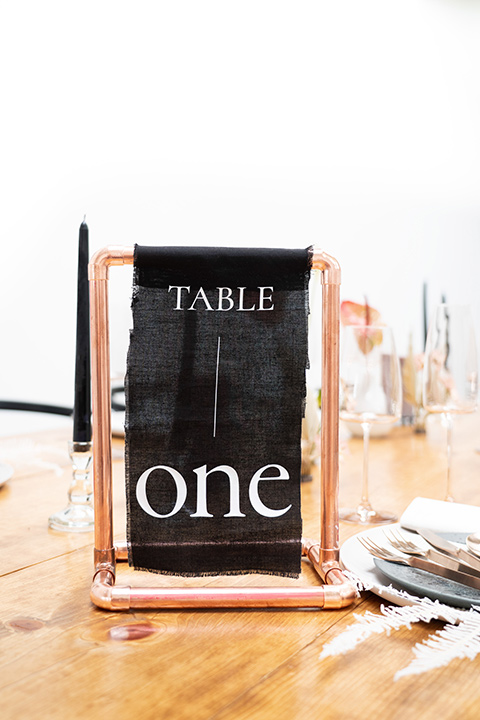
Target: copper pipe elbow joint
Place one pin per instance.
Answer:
(106, 257)
(105, 595)
(329, 267)
(101, 590)
(339, 591)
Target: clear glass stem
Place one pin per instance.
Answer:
(78, 515)
(364, 508)
(448, 420)
(80, 491)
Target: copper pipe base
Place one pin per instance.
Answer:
(338, 592)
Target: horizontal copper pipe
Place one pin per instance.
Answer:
(110, 597)
(121, 551)
(337, 593)
(107, 596)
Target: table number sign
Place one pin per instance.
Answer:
(215, 390)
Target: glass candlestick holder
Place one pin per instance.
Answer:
(78, 515)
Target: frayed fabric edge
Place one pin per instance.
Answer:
(171, 573)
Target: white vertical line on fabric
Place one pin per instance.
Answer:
(216, 390)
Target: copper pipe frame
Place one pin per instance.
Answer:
(338, 592)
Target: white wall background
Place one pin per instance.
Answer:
(353, 125)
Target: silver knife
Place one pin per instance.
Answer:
(449, 561)
(444, 572)
(445, 546)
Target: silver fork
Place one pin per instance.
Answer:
(399, 542)
(382, 553)
(420, 563)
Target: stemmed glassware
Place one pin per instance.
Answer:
(78, 515)
(450, 374)
(370, 393)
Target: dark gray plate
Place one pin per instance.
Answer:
(422, 583)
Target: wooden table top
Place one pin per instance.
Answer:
(63, 658)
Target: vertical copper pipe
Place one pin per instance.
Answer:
(102, 453)
(329, 440)
(330, 414)
(101, 405)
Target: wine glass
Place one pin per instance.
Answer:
(450, 374)
(370, 393)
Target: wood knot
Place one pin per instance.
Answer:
(25, 624)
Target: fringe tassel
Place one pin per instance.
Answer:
(460, 638)
(454, 641)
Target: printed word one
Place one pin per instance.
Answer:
(261, 475)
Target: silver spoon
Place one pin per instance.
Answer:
(473, 543)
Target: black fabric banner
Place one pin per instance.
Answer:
(215, 391)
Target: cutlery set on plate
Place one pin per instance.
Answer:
(440, 557)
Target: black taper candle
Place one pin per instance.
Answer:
(82, 427)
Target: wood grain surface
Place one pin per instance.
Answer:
(60, 657)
